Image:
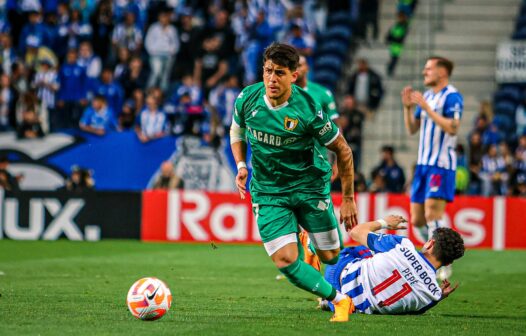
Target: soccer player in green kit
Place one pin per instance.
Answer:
(321, 94)
(290, 177)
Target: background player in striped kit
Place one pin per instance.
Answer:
(437, 116)
(397, 279)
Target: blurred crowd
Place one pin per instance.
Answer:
(153, 67)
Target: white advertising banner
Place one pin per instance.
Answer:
(511, 62)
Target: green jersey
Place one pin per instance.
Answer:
(283, 138)
(324, 97)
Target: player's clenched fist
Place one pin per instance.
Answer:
(241, 182)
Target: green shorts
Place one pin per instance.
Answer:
(279, 218)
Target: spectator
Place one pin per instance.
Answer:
(222, 31)
(35, 53)
(72, 95)
(102, 23)
(186, 101)
(33, 30)
(360, 184)
(134, 77)
(19, 77)
(8, 99)
(369, 17)
(301, 41)
(366, 87)
(132, 107)
(493, 173)
(392, 173)
(162, 45)
(75, 31)
(90, 62)
(167, 179)
(80, 180)
(260, 35)
(519, 187)
(395, 39)
(128, 35)
(210, 65)
(7, 53)
(377, 182)
(8, 182)
(151, 122)
(30, 127)
(27, 101)
(491, 135)
(188, 34)
(98, 119)
(222, 100)
(122, 66)
(111, 90)
(351, 123)
(46, 83)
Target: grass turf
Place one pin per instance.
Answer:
(59, 288)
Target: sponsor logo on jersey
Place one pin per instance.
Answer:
(326, 128)
(290, 140)
(254, 112)
(266, 138)
(290, 124)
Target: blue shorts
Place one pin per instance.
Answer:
(432, 182)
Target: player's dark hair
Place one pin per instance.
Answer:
(444, 63)
(282, 54)
(449, 245)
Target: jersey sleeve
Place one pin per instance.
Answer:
(418, 112)
(330, 105)
(379, 242)
(238, 115)
(322, 127)
(454, 106)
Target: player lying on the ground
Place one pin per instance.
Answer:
(397, 279)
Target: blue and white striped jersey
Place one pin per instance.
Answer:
(396, 280)
(437, 148)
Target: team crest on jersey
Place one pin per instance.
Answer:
(290, 124)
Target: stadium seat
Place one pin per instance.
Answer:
(329, 62)
(506, 107)
(332, 48)
(340, 33)
(327, 78)
(520, 34)
(508, 92)
(505, 123)
(339, 18)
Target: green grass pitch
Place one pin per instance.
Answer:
(79, 288)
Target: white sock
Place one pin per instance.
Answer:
(338, 298)
(432, 226)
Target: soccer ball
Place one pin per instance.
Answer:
(149, 299)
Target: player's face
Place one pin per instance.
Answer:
(431, 73)
(277, 79)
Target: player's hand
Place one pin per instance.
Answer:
(396, 222)
(348, 213)
(406, 96)
(241, 182)
(447, 288)
(418, 99)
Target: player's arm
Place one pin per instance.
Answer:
(412, 124)
(239, 150)
(449, 125)
(238, 145)
(361, 232)
(345, 164)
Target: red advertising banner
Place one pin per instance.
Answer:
(197, 216)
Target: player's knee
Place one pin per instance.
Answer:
(329, 257)
(284, 260)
